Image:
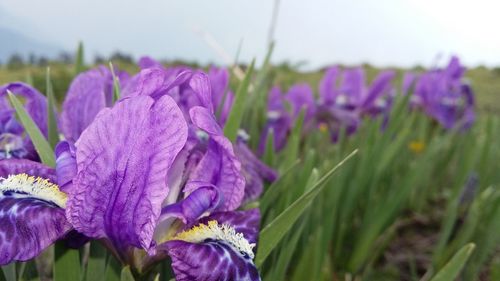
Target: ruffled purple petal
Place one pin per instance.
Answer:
(123, 159)
(154, 82)
(24, 166)
(210, 261)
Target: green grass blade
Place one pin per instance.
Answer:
(116, 84)
(42, 146)
(113, 269)
(451, 270)
(96, 267)
(9, 272)
(275, 230)
(51, 110)
(236, 114)
(80, 60)
(67, 263)
(126, 274)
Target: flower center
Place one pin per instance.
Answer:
(218, 232)
(25, 186)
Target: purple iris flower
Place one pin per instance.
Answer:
(218, 98)
(342, 104)
(148, 182)
(14, 143)
(283, 110)
(443, 95)
(88, 93)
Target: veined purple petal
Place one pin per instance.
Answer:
(31, 214)
(218, 247)
(219, 165)
(123, 159)
(32, 168)
(88, 93)
(210, 261)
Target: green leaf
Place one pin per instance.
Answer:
(80, 61)
(116, 84)
(42, 147)
(9, 272)
(67, 263)
(236, 114)
(275, 230)
(96, 267)
(451, 270)
(113, 269)
(51, 109)
(126, 274)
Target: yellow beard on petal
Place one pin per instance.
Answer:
(35, 187)
(216, 231)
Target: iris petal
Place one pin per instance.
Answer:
(31, 217)
(123, 159)
(219, 166)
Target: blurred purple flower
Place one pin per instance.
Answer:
(443, 95)
(14, 142)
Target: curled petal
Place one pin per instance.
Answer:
(219, 166)
(204, 198)
(65, 164)
(123, 159)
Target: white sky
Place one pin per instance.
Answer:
(382, 32)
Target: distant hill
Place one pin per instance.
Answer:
(14, 42)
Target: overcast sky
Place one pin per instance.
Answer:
(382, 32)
